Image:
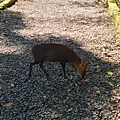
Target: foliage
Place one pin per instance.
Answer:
(115, 12)
(7, 3)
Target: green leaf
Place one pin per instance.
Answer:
(111, 84)
(8, 104)
(110, 73)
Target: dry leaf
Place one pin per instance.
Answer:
(110, 107)
(12, 85)
(55, 116)
(8, 104)
(117, 97)
(93, 47)
(108, 54)
(70, 109)
(73, 103)
(88, 103)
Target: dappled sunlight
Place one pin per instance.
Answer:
(10, 49)
(76, 19)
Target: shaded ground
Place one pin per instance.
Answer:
(84, 26)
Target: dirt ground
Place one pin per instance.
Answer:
(85, 26)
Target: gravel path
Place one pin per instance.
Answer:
(86, 27)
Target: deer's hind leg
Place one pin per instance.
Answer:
(63, 67)
(31, 65)
(42, 67)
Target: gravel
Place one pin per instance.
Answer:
(88, 29)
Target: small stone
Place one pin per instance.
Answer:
(0, 87)
(98, 92)
(1, 98)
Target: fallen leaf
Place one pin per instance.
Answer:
(12, 85)
(111, 84)
(110, 73)
(8, 104)
(73, 103)
(110, 107)
(55, 116)
(117, 97)
(108, 54)
(88, 103)
(70, 109)
(93, 47)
